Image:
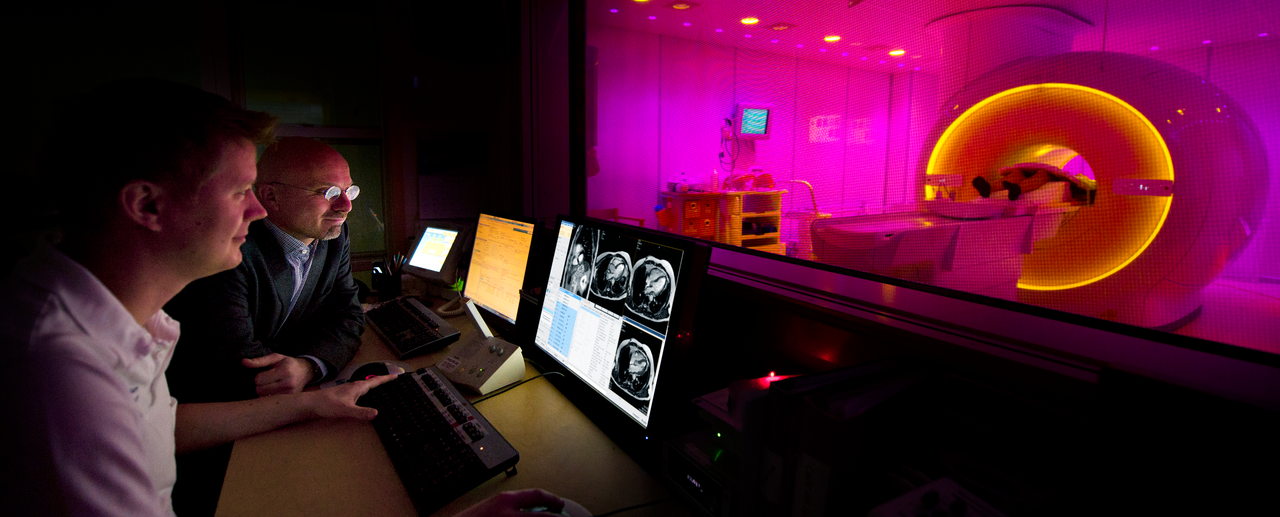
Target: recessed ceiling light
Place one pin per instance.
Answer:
(845, 54)
(822, 50)
(750, 21)
(613, 10)
(799, 45)
(746, 35)
(653, 17)
(781, 26)
(719, 30)
(773, 41)
(1262, 35)
(882, 61)
(1206, 42)
(686, 24)
(1155, 48)
(831, 39)
(898, 52)
(680, 5)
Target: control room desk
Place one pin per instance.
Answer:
(338, 467)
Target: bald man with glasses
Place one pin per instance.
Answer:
(288, 316)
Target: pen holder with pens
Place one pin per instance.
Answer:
(386, 281)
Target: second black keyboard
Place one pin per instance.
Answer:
(410, 328)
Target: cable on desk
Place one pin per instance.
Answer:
(509, 388)
(635, 507)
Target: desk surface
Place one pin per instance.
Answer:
(338, 467)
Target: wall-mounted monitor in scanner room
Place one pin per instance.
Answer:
(752, 121)
(439, 249)
(616, 318)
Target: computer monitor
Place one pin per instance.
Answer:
(440, 247)
(498, 261)
(752, 121)
(616, 316)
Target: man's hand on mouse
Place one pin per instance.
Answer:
(286, 374)
(516, 504)
(340, 401)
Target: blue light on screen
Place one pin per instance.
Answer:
(755, 121)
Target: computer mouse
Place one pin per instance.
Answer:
(375, 369)
(571, 509)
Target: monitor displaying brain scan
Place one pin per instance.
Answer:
(606, 315)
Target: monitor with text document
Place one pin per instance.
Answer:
(617, 315)
(498, 261)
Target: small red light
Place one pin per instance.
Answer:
(772, 374)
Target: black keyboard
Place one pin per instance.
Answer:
(440, 445)
(410, 328)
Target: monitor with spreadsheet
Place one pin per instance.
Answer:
(498, 260)
(617, 309)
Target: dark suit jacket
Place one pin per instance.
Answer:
(238, 313)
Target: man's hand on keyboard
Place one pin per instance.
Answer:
(340, 401)
(286, 374)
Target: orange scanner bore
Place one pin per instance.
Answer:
(1018, 124)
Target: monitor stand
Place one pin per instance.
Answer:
(483, 362)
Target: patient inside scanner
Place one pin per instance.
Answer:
(974, 245)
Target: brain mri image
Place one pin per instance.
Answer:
(577, 265)
(633, 370)
(652, 289)
(612, 273)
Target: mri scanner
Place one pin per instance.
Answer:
(1181, 177)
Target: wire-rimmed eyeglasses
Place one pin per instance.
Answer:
(329, 192)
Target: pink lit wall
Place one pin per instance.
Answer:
(855, 135)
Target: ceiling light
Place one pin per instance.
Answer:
(653, 17)
(686, 24)
(1206, 42)
(898, 52)
(613, 10)
(681, 5)
(781, 26)
(831, 39)
(750, 21)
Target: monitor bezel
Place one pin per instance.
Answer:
(669, 414)
(461, 247)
